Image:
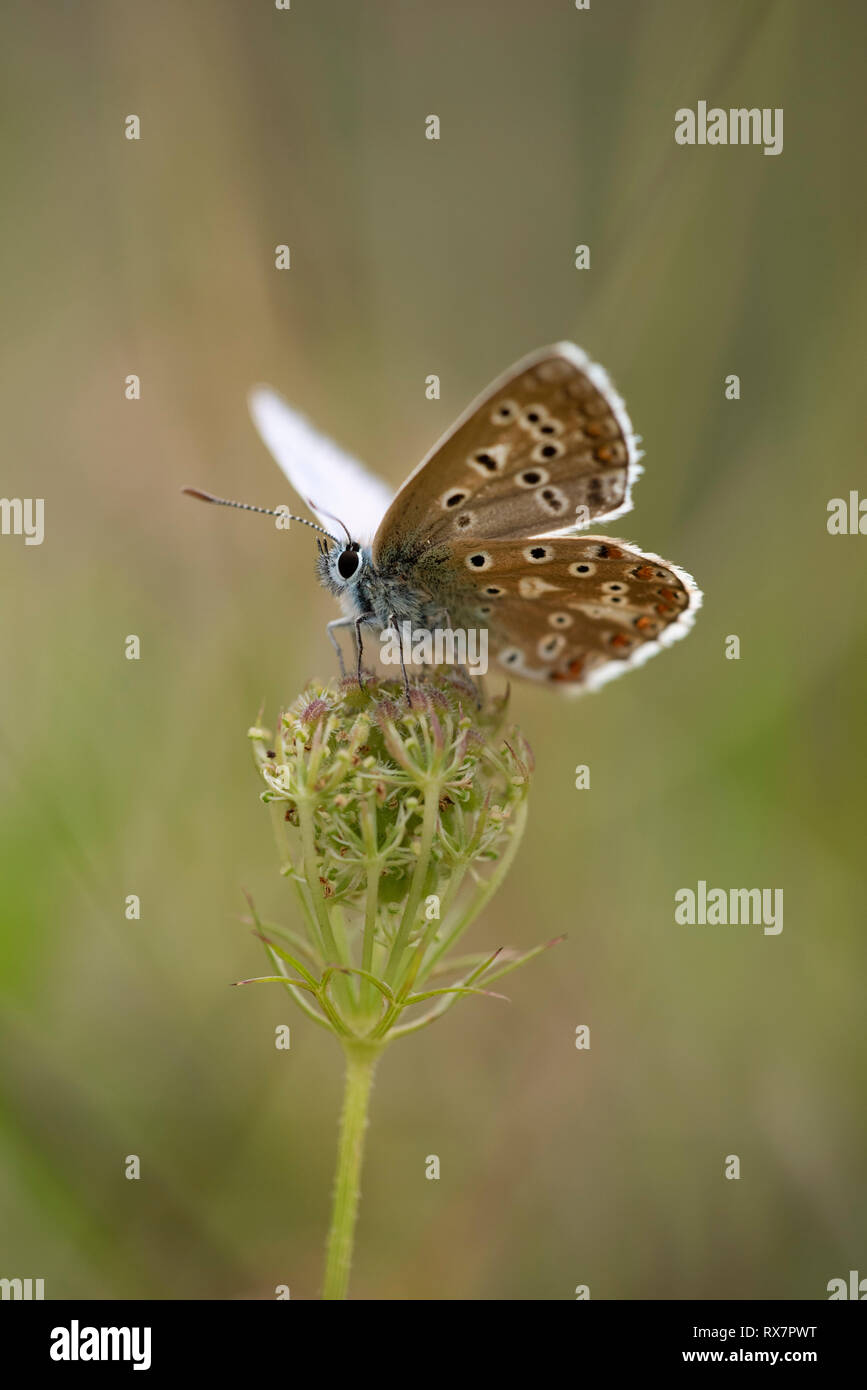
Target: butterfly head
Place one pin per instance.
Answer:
(341, 566)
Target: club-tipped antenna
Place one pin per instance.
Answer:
(248, 507)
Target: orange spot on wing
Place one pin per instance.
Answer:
(573, 671)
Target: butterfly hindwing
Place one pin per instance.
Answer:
(549, 437)
(573, 611)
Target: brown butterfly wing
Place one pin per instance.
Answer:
(548, 437)
(574, 611)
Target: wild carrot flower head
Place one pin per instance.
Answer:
(396, 824)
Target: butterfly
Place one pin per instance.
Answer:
(488, 531)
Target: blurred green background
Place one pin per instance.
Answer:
(411, 257)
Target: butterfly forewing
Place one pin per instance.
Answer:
(326, 478)
(546, 450)
(573, 611)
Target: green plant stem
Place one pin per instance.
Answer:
(360, 1065)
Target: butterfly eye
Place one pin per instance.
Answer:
(504, 412)
(347, 563)
(537, 554)
(561, 619)
(493, 591)
(454, 498)
(582, 569)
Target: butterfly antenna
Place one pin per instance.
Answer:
(323, 512)
(248, 507)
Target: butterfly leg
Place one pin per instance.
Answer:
(358, 645)
(392, 622)
(338, 622)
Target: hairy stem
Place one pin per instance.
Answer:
(360, 1065)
